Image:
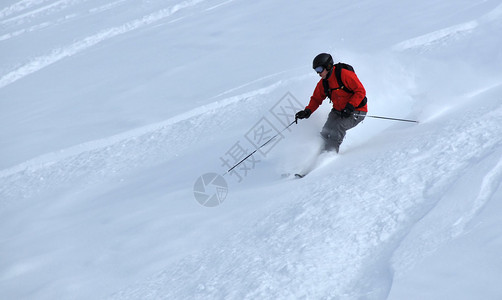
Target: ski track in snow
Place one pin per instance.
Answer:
(57, 54)
(19, 7)
(489, 185)
(45, 10)
(445, 36)
(55, 7)
(104, 158)
(320, 233)
(442, 36)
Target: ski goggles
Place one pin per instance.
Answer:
(319, 69)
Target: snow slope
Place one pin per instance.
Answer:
(110, 111)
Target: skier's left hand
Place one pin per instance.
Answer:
(347, 111)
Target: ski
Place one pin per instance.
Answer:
(317, 160)
(293, 175)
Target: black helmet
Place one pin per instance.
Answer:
(323, 60)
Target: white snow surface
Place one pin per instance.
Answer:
(111, 110)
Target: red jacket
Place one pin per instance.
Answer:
(340, 98)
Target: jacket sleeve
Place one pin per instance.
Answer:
(317, 97)
(352, 82)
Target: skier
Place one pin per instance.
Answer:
(340, 84)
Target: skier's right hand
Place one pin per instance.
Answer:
(303, 114)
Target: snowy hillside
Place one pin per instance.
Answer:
(111, 113)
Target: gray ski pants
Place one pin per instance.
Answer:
(336, 127)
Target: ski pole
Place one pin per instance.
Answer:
(386, 118)
(295, 121)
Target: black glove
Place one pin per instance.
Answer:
(347, 111)
(303, 114)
